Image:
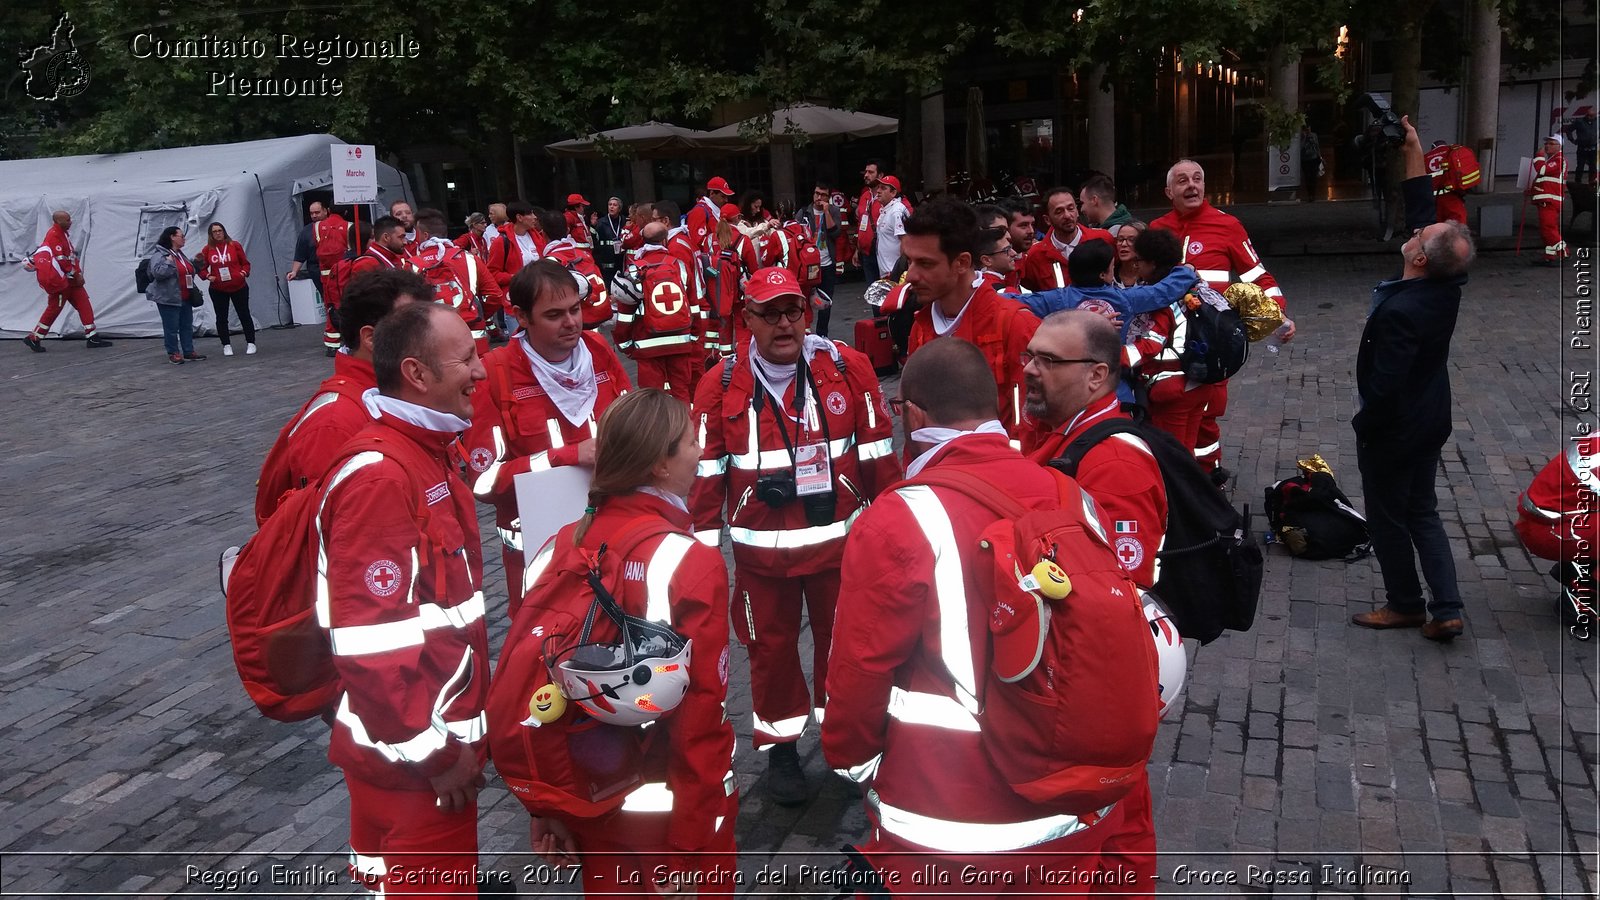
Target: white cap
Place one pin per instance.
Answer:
(1557, 139)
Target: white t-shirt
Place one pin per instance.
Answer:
(530, 252)
(891, 226)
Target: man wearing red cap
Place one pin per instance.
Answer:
(910, 653)
(797, 440)
(940, 244)
(1045, 266)
(577, 225)
(705, 215)
(891, 225)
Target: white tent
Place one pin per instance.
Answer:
(121, 202)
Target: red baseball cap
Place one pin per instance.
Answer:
(576, 200)
(891, 181)
(1019, 621)
(730, 211)
(719, 185)
(770, 284)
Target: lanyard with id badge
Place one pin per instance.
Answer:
(810, 474)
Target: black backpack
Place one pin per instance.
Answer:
(1210, 562)
(141, 275)
(1313, 519)
(1217, 344)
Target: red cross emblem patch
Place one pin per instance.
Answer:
(667, 298)
(383, 578)
(1130, 552)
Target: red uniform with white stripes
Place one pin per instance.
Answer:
(517, 427)
(672, 361)
(506, 254)
(474, 243)
(60, 274)
(1001, 327)
(1547, 192)
(1558, 516)
(1449, 200)
(867, 209)
(1155, 348)
(597, 307)
(310, 441)
(682, 247)
(376, 257)
(399, 592)
(1044, 266)
(458, 278)
(578, 229)
(1218, 247)
(782, 561)
(915, 622)
(686, 806)
(702, 225)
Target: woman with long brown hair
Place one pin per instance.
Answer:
(645, 825)
(222, 263)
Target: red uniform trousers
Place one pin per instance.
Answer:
(676, 374)
(1069, 867)
(1130, 845)
(55, 303)
(766, 619)
(402, 844)
(638, 841)
(1208, 445)
(1555, 246)
(1179, 412)
(1450, 207)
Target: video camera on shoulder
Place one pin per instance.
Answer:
(1388, 123)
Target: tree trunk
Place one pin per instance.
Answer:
(1405, 92)
(908, 149)
(1483, 88)
(1102, 122)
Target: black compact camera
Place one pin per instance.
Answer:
(776, 489)
(1388, 123)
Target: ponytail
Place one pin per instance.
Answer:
(639, 430)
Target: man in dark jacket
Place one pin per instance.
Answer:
(1404, 420)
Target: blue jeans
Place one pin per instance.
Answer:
(177, 328)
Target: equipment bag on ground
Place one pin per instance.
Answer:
(1313, 519)
(1210, 563)
(1071, 702)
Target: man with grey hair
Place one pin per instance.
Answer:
(1404, 383)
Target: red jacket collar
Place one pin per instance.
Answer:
(1096, 412)
(57, 234)
(639, 503)
(1204, 209)
(973, 450)
(348, 365)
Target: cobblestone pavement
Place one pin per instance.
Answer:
(1305, 749)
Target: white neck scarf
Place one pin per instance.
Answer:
(778, 378)
(668, 496)
(942, 325)
(406, 411)
(939, 436)
(570, 383)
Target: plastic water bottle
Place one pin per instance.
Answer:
(1275, 339)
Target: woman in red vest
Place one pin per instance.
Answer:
(222, 263)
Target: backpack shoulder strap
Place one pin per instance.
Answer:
(1071, 457)
(729, 363)
(970, 485)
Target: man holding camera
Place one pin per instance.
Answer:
(797, 440)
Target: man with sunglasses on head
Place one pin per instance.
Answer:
(797, 441)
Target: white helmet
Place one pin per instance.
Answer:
(1172, 661)
(626, 288)
(639, 679)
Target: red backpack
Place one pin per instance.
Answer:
(445, 280)
(666, 298)
(575, 764)
(1074, 728)
(799, 254)
(338, 276)
(269, 588)
(727, 292)
(275, 481)
(1464, 169)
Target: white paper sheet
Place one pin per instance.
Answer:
(547, 501)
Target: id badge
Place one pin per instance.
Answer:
(813, 470)
(223, 274)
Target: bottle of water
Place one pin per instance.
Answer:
(1275, 339)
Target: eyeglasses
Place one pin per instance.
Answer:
(1003, 250)
(898, 406)
(1124, 240)
(1046, 362)
(771, 316)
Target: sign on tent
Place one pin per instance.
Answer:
(355, 173)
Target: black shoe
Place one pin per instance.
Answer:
(34, 344)
(786, 783)
(193, 356)
(1220, 476)
(96, 341)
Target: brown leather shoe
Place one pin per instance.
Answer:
(1443, 631)
(1384, 617)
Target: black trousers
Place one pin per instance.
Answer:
(1403, 520)
(241, 304)
(829, 278)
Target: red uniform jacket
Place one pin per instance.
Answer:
(332, 236)
(1044, 268)
(375, 257)
(597, 308)
(630, 333)
(1122, 476)
(1549, 180)
(892, 706)
(55, 263)
(1001, 327)
(404, 605)
(310, 441)
(1218, 247)
(692, 750)
(516, 428)
(1560, 510)
(577, 229)
(458, 277)
(630, 239)
(741, 444)
(702, 225)
(505, 256)
(867, 208)
(224, 265)
(474, 243)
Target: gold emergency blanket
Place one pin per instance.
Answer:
(1315, 464)
(1260, 314)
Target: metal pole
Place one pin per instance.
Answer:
(277, 286)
